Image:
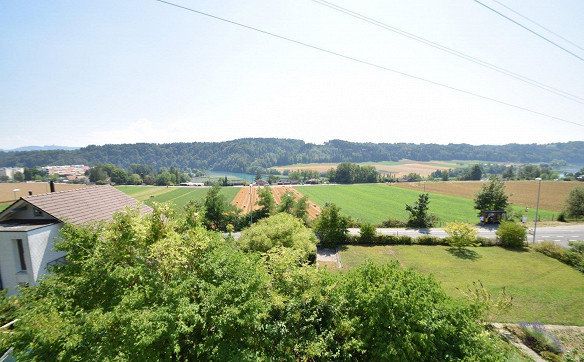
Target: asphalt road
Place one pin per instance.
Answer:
(561, 235)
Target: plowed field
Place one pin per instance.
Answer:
(246, 199)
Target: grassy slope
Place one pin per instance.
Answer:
(178, 197)
(376, 202)
(543, 289)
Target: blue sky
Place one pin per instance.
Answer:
(93, 72)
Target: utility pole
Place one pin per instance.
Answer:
(537, 207)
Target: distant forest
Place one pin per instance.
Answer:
(255, 154)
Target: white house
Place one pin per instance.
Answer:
(29, 227)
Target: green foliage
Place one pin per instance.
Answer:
(287, 203)
(575, 203)
(331, 227)
(266, 202)
(492, 196)
(419, 215)
(351, 173)
(367, 233)
(573, 256)
(492, 305)
(7, 308)
(511, 234)
(393, 223)
(160, 287)
(280, 230)
(412, 177)
(461, 234)
(300, 209)
(215, 209)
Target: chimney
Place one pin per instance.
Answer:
(52, 186)
(29, 193)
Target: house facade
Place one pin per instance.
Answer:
(30, 227)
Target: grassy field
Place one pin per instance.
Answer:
(178, 197)
(543, 289)
(376, 202)
(553, 193)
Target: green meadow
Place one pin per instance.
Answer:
(543, 289)
(374, 203)
(177, 197)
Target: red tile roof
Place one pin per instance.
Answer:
(80, 206)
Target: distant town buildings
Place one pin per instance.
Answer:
(10, 171)
(70, 172)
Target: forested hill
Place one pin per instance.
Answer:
(249, 154)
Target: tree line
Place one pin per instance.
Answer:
(252, 154)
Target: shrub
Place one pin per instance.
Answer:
(511, 234)
(550, 249)
(429, 240)
(367, 233)
(562, 217)
(280, 230)
(482, 241)
(461, 234)
(393, 223)
(574, 256)
(330, 226)
(575, 203)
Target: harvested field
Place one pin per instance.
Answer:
(397, 169)
(246, 199)
(7, 195)
(524, 193)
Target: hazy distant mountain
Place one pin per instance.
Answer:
(43, 148)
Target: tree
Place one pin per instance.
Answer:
(475, 173)
(280, 230)
(18, 176)
(367, 233)
(301, 209)
(461, 234)
(134, 179)
(266, 202)
(492, 196)
(165, 178)
(419, 216)
(331, 227)
(413, 177)
(509, 173)
(575, 203)
(287, 203)
(215, 208)
(98, 175)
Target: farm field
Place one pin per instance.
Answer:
(7, 195)
(178, 197)
(543, 289)
(374, 203)
(400, 168)
(246, 199)
(553, 193)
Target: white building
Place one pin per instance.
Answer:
(29, 227)
(10, 171)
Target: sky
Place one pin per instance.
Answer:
(75, 73)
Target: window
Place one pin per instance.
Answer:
(21, 254)
(37, 212)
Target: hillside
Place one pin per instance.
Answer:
(250, 154)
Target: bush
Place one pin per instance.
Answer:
(574, 256)
(575, 203)
(393, 223)
(330, 226)
(512, 235)
(367, 233)
(562, 217)
(430, 240)
(461, 234)
(550, 249)
(280, 230)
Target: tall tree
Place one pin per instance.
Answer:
(215, 208)
(492, 196)
(266, 202)
(419, 215)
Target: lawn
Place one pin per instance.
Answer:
(178, 197)
(543, 289)
(376, 202)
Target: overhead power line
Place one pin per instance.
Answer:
(454, 52)
(529, 30)
(538, 24)
(347, 57)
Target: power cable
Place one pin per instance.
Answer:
(367, 62)
(529, 30)
(455, 52)
(538, 24)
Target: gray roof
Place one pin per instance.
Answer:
(80, 206)
(23, 226)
